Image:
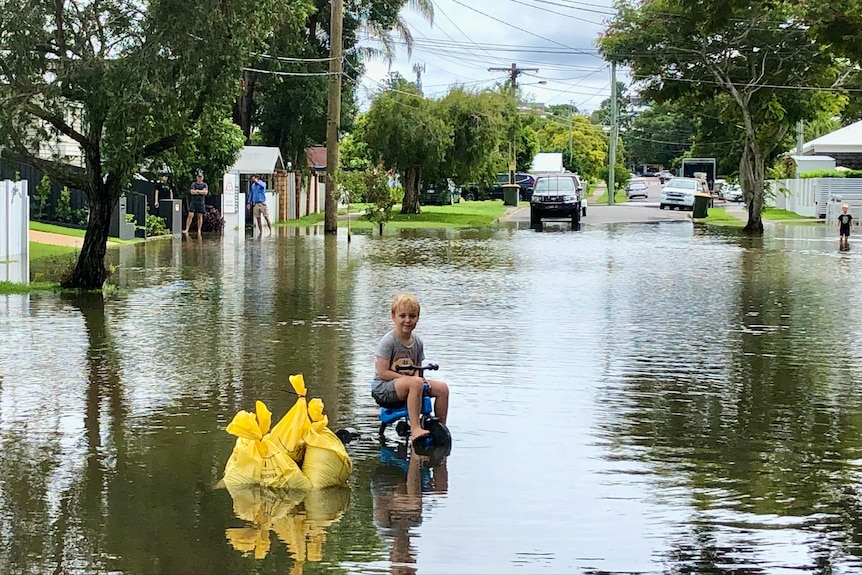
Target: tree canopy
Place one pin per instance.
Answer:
(751, 53)
(127, 82)
(465, 136)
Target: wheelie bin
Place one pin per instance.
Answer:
(701, 205)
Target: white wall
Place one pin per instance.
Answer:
(14, 232)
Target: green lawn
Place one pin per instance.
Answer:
(42, 251)
(12, 288)
(74, 232)
(775, 215)
(461, 215)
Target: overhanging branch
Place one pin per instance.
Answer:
(58, 123)
(64, 173)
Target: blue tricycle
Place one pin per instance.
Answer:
(439, 436)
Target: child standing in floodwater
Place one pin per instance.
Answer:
(844, 221)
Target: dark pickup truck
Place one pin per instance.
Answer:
(495, 191)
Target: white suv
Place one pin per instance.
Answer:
(679, 192)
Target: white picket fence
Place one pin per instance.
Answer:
(814, 197)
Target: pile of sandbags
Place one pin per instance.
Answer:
(299, 452)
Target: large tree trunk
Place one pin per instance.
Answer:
(243, 106)
(410, 204)
(90, 272)
(752, 172)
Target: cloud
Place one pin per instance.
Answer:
(556, 37)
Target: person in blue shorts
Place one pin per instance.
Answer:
(197, 205)
(402, 347)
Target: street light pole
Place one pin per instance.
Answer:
(612, 148)
(571, 113)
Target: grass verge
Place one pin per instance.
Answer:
(460, 215)
(720, 217)
(602, 200)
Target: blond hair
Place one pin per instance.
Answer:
(845, 206)
(405, 300)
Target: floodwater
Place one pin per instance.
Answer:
(629, 399)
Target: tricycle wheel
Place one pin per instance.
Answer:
(441, 439)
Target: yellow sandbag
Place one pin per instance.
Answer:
(256, 459)
(289, 432)
(326, 462)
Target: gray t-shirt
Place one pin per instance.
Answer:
(399, 354)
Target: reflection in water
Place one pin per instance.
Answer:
(299, 520)
(645, 398)
(397, 485)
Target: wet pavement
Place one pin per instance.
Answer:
(630, 398)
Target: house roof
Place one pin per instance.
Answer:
(315, 157)
(847, 139)
(258, 160)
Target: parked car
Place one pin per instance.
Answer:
(637, 188)
(732, 193)
(474, 191)
(556, 197)
(665, 176)
(440, 194)
(679, 193)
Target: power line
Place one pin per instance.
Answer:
(276, 73)
(521, 29)
(555, 12)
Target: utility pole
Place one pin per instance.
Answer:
(514, 72)
(612, 148)
(333, 117)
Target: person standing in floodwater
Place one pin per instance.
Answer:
(257, 203)
(197, 204)
(844, 221)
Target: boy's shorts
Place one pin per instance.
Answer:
(384, 393)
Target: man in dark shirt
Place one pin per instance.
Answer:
(164, 190)
(197, 205)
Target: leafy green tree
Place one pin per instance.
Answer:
(126, 81)
(290, 107)
(660, 134)
(353, 149)
(589, 156)
(481, 122)
(746, 50)
(406, 132)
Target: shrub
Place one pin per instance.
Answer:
(43, 192)
(156, 226)
(64, 206)
(832, 174)
(213, 220)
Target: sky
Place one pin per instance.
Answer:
(468, 37)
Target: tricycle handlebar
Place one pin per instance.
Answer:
(420, 368)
